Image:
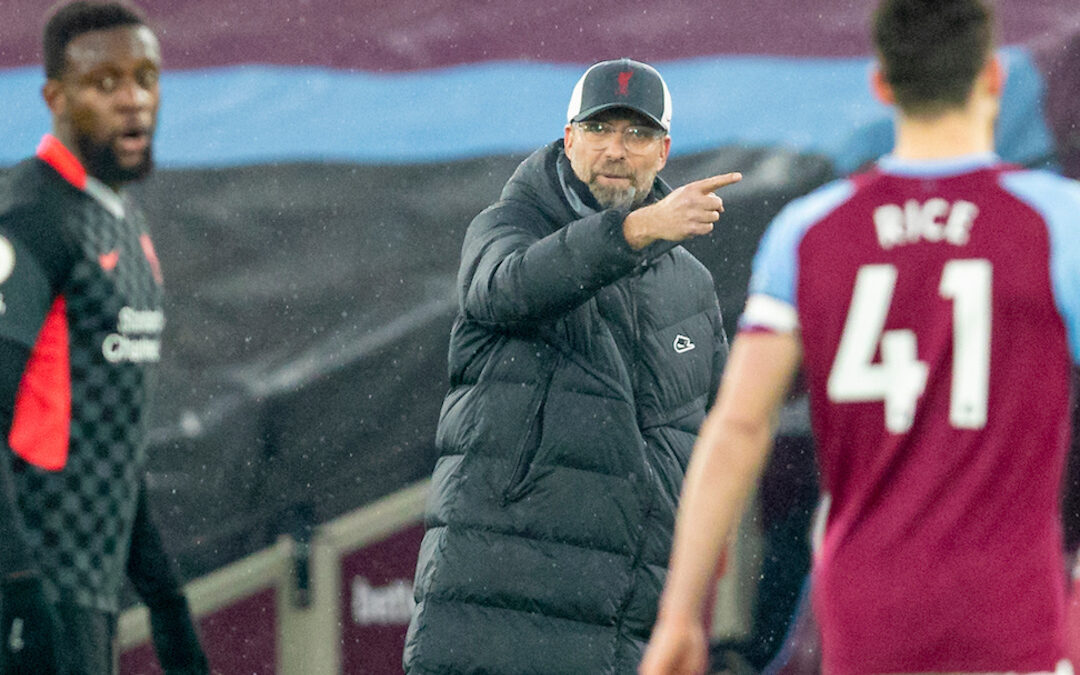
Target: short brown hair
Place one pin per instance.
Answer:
(931, 51)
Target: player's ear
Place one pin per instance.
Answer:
(994, 73)
(568, 137)
(882, 89)
(53, 93)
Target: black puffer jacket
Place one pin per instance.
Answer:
(580, 371)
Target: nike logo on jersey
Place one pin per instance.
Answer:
(109, 260)
(683, 344)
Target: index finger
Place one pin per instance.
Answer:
(716, 182)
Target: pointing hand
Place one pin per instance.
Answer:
(689, 211)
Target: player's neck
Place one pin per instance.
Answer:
(953, 134)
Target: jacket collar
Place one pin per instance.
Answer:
(576, 192)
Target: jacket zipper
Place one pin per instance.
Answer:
(526, 449)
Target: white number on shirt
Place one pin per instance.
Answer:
(899, 379)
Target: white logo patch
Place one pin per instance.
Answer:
(7, 259)
(15, 640)
(683, 344)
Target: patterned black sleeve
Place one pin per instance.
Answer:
(25, 293)
(25, 296)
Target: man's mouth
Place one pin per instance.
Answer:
(133, 141)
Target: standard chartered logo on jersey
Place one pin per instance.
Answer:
(137, 338)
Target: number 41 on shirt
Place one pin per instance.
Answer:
(899, 378)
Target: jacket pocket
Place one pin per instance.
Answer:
(525, 451)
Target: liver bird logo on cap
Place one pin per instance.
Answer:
(624, 82)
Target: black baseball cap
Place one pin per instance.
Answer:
(621, 83)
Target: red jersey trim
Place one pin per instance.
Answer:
(52, 152)
(41, 429)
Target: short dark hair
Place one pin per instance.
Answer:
(931, 51)
(69, 20)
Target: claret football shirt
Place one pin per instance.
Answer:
(938, 308)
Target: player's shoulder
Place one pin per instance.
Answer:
(18, 206)
(31, 212)
(1054, 197)
(1040, 185)
(802, 213)
(27, 190)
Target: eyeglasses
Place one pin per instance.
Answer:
(635, 138)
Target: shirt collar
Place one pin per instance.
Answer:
(51, 151)
(937, 168)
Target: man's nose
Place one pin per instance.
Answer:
(131, 94)
(616, 146)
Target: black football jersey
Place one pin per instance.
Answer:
(81, 290)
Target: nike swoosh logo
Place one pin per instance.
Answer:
(109, 260)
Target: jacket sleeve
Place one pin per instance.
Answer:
(510, 274)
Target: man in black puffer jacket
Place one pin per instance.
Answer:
(587, 349)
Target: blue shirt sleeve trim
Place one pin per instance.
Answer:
(775, 267)
(1057, 200)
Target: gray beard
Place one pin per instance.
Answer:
(612, 198)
